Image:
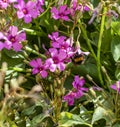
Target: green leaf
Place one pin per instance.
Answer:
(115, 47)
(116, 124)
(117, 73)
(85, 114)
(38, 119)
(106, 41)
(116, 27)
(101, 113)
(68, 119)
(29, 111)
(12, 58)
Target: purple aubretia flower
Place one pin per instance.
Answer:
(78, 90)
(61, 13)
(4, 3)
(70, 98)
(78, 86)
(39, 4)
(56, 60)
(56, 39)
(62, 43)
(38, 67)
(26, 10)
(116, 86)
(14, 38)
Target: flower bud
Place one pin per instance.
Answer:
(89, 77)
(6, 88)
(58, 93)
(92, 92)
(36, 47)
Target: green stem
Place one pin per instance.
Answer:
(35, 52)
(99, 44)
(87, 39)
(50, 5)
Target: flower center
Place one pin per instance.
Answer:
(12, 39)
(56, 60)
(41, 68)
(63, 47)
(5, 1)
(25, 11)
(61, 14)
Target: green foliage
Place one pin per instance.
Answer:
(115, 46)
(28, 100)
(68, 119)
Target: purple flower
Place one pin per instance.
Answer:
(56, 39)
(4, 3)
(39, 4)
(62, 43)
(26, 10)
(86, 8)
(78, 86)
(78, 90)
(116, 86)
(75, 6)
(56, 60)
(113, 13)
(93, 17)
(14, 38)
(78, 83)
(38, 67)
(69, 98)
(61, 13)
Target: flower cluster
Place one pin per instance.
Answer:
(77, 92)
(25, 9)
(76, 6)
(29, 10)
(60, 52)
(12, 39)
(61, 13)
(5, 3)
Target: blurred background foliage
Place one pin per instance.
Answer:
(27, 100)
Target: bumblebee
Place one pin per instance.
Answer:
(78, 58)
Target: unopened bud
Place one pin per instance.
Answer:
(25, 54)
(4, 66)
(55, 84)
(103, 69)
(58, 93)
(29, 70)
(38, 78)
(92, 92)
(28, 74)
(63, 91)
(51, 89)
(21, 80)
(89, 77)
(25, 61)
(14, 83)
(6, 88)
(59, 81)
(36, 47)
(56, 28)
